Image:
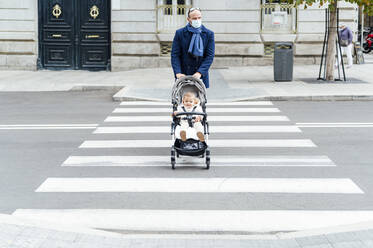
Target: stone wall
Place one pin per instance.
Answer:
(134, 40)
(311, 28)
(137, 42)
(18, 34)
(237, 27)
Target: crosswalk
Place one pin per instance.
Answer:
(246, 138)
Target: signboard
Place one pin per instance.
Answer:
(279, 18)
(359, 57)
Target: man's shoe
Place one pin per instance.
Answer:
(201, 137)
(183, 135)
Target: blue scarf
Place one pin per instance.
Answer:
(196, 43)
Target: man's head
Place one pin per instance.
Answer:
(195, 17)
(342, 26)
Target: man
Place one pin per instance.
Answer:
(193, 48)
(345, 37)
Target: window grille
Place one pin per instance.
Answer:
(278, 17)
(166, 48)
(269, 49)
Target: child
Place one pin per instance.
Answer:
(190, 104)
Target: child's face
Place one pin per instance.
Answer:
(188, 101)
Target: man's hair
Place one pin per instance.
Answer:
(193, 9)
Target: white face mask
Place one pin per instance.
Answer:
(196, 23)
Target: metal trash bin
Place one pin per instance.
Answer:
(283, 62)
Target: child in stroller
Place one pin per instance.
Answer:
(188, 113)
(190, 104)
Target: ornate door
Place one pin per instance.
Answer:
(74, 34)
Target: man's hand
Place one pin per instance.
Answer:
(179, 75)
(197, 75)
(198, 119)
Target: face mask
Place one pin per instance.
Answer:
(196, 23)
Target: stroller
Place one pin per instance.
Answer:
(190, 147)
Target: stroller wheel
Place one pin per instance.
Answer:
(207, 159)
(173, 160)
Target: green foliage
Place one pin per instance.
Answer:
(368, 4)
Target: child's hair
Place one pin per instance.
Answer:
(189, 94)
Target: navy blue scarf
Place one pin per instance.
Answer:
(196, 43)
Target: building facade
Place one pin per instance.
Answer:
(123, 34)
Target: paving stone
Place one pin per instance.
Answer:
(342, 237)
(146, 243)
(115, 242)
(52, 243)
(11, 229)
(88, 238)
(312, 240)
(172, 243)
(365, 235)
(92, 245)
(349, 244)
(6, 241)
(27, 242)
(318, 246)
(199, 243)
(368, 243)
(285, 243)
(63, 236)
(125, 243)
(255, 243)
(36, 232)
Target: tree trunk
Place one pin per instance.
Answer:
(331, 51)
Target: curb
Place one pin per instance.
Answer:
(333, 230)
(12, 220)
(96, 88)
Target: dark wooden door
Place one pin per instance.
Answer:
(74, 34)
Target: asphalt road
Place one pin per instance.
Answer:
(29, 157)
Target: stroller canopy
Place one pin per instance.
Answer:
(188, 84)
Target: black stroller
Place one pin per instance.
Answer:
(190, 147)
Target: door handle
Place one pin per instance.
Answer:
(92, 36)
(56, 35)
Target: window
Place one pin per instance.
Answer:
(181, 7)
(168, 7)
(278, 17)
(171, 14)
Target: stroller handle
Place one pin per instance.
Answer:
(190, 113)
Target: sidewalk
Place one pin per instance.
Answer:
(227, 84)
(18, 233)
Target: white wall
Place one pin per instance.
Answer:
(18, 34)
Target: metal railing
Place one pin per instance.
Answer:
(278, 18)
(171, 17)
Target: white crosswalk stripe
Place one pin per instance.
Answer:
(213, 129)
(210, 110)
(202, 185)
(211, 118)
(133, 118)
(211, 142)
(251, 103)
(220, 161)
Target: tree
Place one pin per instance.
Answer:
(332, 5)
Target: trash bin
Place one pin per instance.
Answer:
(283, 62)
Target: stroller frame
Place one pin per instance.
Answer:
(196, 86)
